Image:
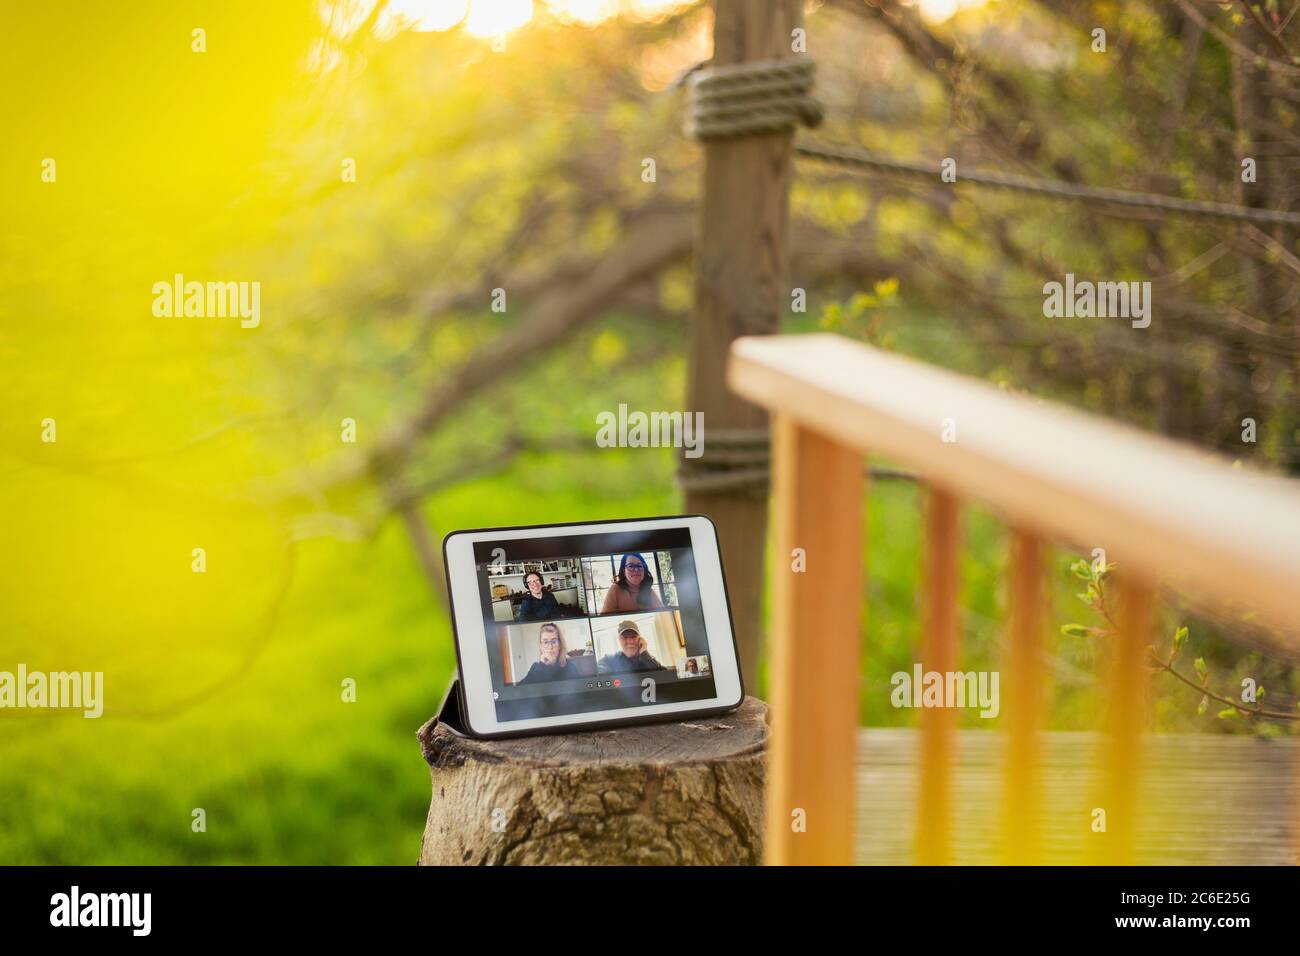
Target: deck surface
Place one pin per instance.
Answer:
(1207, 799)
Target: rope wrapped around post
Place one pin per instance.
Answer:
(747, 99)
(739, 459)
(726, 102)
(734, 459)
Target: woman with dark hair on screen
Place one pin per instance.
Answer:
(552, 657)
(633, 588)
(537, 605)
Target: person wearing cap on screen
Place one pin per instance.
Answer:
(633, 655)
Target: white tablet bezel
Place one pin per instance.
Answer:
(471, 634)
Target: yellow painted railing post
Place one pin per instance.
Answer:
(816, 617)
(1024, 694)
(1125, 704)
(941, 582)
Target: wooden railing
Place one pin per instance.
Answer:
(1162, 512)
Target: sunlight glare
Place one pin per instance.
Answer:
(425, 16)
(654, 9)
(491, 18)
(588, 12)
(936, 11)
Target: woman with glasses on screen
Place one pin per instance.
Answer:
(633, 588)
(552, 657)
(537, 605)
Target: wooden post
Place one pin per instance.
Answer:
(1125, 704)
(739, 290)
(1024, 681)
(811, 814)
(941, 584)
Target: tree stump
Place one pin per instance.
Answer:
(670, 793)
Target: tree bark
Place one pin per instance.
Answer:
(739, 290)
(683, 793)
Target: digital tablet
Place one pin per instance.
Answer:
(579, 626)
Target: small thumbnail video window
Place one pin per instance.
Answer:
(634, 643)
(537, 590)
(538, 653)
(631, 581)
(693, 666)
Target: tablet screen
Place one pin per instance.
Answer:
(587, 622)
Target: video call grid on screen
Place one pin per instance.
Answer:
(560, 597)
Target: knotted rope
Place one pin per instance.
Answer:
(734, 459)
(739, 460)
(863, 159)
(744, 99)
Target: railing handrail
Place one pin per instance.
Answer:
(1163, 508)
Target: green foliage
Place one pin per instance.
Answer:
(1095, 599)
(865, 314)
(1180, 638)
(1079, 630)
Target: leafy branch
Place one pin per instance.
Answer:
(864, 314)
(1095, 598)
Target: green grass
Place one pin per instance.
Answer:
(285, 770)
